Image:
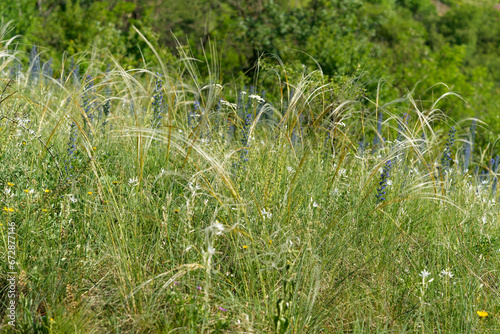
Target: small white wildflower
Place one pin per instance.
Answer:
(315, 205)
(424, 273)
(483, 219)
(211, 250)
(484, 182)
(133, 181)
(266, 214)
(218, 228)
(444, 273)
(256, 97)
(229, 104)
(290, 169)
(72, 198)
(389, 182)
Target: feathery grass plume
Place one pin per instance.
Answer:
(74, 72)
(47, 70)
(402, 125)
(71, 149)
(378, 139)
(88, 104)
(245, 138)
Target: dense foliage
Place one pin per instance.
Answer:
(413, 44)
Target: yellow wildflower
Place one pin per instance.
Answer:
(90, 193)
(6, 209)
(482, 314)
(10, 184)
(245, 246)
(44, 210)
(47, 190)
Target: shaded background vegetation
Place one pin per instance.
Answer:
(412, 44)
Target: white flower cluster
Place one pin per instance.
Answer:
(257, 97)
(228, 104)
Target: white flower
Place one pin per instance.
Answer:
(133, 181)
(266, 214)
(424, 273)
(218, 228)
(211, 250)
(444, 273)
(72, 198)
(290, 169)
(484, 219)
(229, 104)
(256, 97)
(315, 205)
(389, 182)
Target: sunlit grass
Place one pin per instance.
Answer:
(141, 228)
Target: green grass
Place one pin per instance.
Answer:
(169, 229)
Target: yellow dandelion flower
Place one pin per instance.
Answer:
(44, 210)
(6, 209)
(270, 242)
(245, 246)
(26, 191)
(47, 190)
(24, 143)
(94, 148)
(90, 193)
(10, 184)
(482, 314)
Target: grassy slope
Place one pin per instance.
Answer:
(181, 227)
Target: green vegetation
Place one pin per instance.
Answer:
(206, 190)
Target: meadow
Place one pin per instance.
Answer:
(160, 200)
